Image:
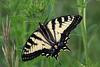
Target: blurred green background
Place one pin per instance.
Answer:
(25, 16)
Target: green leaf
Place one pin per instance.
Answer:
(19, 48)
(75, 35)
(97, 0)
(81, 65)
(19, 18)
(77, 6)
(91, 28)
(90, 41)
(85, 3)
(92, 37)
(50, 11)
(78, 30)
(15, 6)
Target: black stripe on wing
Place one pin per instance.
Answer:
(60, 21)
(53, 28)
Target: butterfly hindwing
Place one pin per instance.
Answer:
(50, 37)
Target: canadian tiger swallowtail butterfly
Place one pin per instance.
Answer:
(50, 37)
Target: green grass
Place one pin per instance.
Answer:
(25, 16)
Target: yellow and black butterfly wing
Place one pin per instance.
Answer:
(60, 27)
(54, 31)
(35, 45)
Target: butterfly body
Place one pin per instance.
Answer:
(50, 37)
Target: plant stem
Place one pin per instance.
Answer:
(83, 26)
(82, 12)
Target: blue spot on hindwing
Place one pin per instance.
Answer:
(53, 50)
(59, 44)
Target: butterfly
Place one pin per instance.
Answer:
(50, 37)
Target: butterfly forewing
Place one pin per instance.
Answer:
(62, 26)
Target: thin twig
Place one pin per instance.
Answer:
(4, 51)
(4, 32)
(9, 28)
